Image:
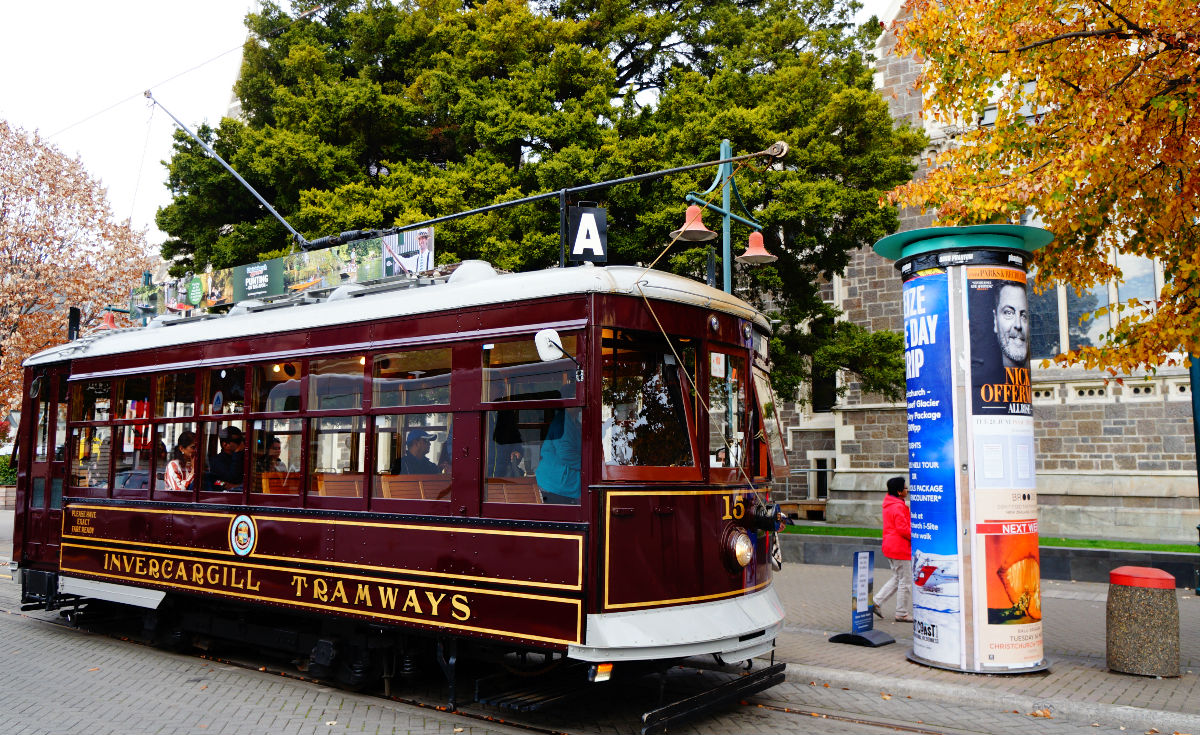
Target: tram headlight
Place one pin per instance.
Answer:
(741, 547)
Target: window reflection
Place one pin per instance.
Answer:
(1082, 329)
(512, 371)
(416, 378)
(226, 391)
(276, 387)
(335, 384)
(1043, 322)
(726, 404)
(645, 400)
(176, 395)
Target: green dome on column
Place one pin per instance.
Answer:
(973, 237)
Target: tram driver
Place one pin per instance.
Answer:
(414, 461)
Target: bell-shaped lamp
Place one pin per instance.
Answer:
(755, 252)
(108, 320)
(693, 229)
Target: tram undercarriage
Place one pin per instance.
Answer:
(386, 659)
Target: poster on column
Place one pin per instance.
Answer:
(932, 480)
(1007, 571)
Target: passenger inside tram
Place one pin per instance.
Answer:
(414, 461)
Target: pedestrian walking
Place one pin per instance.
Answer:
(897, 547)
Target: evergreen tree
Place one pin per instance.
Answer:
(372, 114)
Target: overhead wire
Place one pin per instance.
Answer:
(729, 449)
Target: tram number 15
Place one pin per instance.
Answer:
(734, 508)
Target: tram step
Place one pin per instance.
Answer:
(531, 694)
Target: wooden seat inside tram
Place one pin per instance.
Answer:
(281, 483)
(339, 486)
(513, 490)
(415, 487)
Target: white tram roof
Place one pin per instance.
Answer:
(473, 283)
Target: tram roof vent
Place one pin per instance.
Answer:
(245, 307)
(345, 291)
(472, 271)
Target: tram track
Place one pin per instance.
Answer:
(516, 725)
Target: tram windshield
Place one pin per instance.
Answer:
(648, 400)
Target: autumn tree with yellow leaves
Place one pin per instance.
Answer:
(59, 247)
(1097, 128)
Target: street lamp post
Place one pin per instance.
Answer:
(694, 230)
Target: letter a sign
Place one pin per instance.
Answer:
(588, 234)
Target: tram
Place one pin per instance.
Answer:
(567, 461)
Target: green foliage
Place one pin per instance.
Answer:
(8, 470)
(366, 115)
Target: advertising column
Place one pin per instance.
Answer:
(976, 577)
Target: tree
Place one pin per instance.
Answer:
(370, 115)
(60, 247)
(1097, 128)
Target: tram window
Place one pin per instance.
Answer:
(412, 456)
(512, 371)
(92, 402)
(38, 494)
(176, 396)
(646, 396)
(534, 456)
(168, 444)
(414, 378)
(56, 493)
(726, 409)
(133, 398)
(226, 391)
(42, 411)
(277, 447)
(60, 426)
(336, 383)
(93, 447)
(131, 461)
(336, 455)
(768, 409)
(276, 387)
(224, 456)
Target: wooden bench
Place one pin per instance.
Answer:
(281, 483)
(513, 490)
(810, 508)
(415, 487)
(339, 486)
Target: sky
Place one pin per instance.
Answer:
(75, 72)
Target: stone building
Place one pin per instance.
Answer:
(1113, 461)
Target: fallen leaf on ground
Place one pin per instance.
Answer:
(1042, 713)
(885, 696)
(94, 668)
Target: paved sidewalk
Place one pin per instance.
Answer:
(1077, 686)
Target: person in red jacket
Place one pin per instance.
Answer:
(897, 547)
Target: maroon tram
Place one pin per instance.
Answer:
(563, 461)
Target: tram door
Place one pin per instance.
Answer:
(47, 470)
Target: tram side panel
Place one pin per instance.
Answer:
(492, 582)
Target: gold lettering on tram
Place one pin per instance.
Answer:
(215, 575)
(410, 600)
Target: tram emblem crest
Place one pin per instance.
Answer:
(243, 534)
